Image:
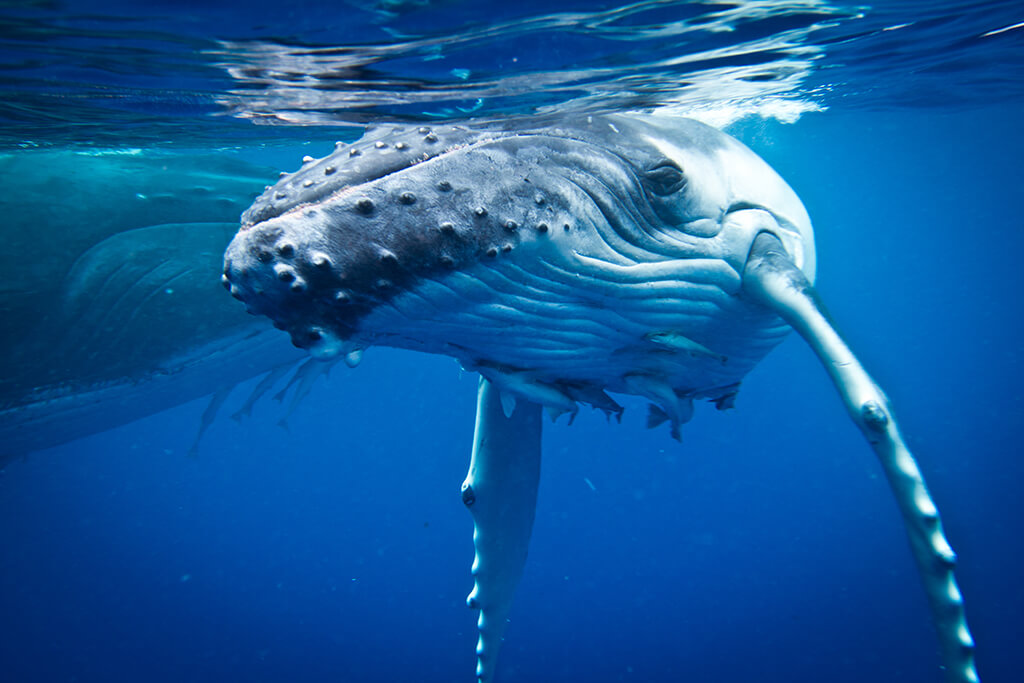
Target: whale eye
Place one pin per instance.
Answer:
(664, 178)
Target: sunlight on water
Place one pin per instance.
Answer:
(739, 58)
(722, 114)
(153, 74)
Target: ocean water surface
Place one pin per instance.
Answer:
(335, 547)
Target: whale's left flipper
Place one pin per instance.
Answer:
(772, 279)
(501, 493)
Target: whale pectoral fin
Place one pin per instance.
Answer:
(501, 493)
(772, 279)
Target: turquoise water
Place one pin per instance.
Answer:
(764, 547)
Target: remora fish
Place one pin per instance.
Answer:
(564, 260)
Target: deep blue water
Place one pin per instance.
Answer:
(764, 547)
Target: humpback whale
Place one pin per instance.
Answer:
(565, 261)
(133, 240)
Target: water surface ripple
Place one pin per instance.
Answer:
(147, 75)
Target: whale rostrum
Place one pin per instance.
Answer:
(565, 260)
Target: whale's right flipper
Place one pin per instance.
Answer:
(772, 279)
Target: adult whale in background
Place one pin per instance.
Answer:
(565, 260)
(110, 297)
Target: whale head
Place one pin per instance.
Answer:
(560, 259)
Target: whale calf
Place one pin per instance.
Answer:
(566, 261)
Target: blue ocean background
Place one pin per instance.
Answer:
(764, 547)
